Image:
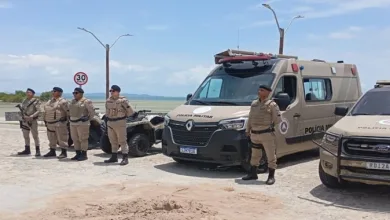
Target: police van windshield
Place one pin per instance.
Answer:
(373, 103)
(228, 86)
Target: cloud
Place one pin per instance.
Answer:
(156, 27)
(331, 8)
(191, 76)
(348, 33)
(4, 5)
(132, 67)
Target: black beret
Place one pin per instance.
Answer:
(31, 90)
(78, 89)
(116, 88)
(57, 89)
(265, 87)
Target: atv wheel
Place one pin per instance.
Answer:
(105, 144)
(139, 145)
(328, 180)
(94, 139)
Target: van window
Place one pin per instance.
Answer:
(287, 84)
(211, 89)
(317, 89)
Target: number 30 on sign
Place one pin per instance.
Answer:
(80, 78)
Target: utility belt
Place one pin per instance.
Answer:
(268, 130)
(63, 119)
(116, 119)
(82, 119)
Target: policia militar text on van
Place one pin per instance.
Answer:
(210, 126)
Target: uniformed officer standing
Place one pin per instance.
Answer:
(264, 115)
(31, 109)
(56, 118)
(81, 112)
(118, 109)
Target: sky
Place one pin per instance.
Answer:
(174, 41)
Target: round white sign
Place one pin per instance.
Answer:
(202, 110)
(80, 78)
(283, 126)
(385, 122)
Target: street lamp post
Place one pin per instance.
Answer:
(282, 31)
(107, 47)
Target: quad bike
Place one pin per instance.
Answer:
(94, 133)
(143, 131)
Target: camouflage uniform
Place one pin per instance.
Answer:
(81, 112)
(117, 111)
(264, 115)
(31, 109)
(55, 117)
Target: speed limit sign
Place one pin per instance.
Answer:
(80, 78)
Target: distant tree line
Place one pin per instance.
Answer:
(19, 95)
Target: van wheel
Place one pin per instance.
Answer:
(105, 144)
(139, 145)
(328, 180)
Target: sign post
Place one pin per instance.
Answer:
(80, 78)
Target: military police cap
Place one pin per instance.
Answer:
(79, 90)
(31, 90)
(57, 89)
(265, 87)
(116, 88)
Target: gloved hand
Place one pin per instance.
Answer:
(84, 118)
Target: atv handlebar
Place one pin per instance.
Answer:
(144, 111)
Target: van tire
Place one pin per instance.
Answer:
(328, 180)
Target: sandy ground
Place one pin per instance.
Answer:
(155, 187)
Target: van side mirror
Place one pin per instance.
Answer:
(283, 100)
(341, 111)
(188, 96)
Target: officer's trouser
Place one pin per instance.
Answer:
(118, 135)
(57, 132)
(268, 140)
(34, 132)
(79, 133)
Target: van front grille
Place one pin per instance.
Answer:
(198, 136)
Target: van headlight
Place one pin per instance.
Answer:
(233, 124)
(166, 120)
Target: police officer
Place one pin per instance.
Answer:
(81, 112)
(264, 115)
(118, 109)
(31, 109)
(56, 119)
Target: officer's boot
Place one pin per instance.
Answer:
(125, 159)
(77, 156)
(83, 156)
(51, 153)
(63, 154)
(37, 151)
(252, 174)
(271, 177)
(262, 168)
(113, 158)
(26, 151)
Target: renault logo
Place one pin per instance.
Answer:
(382, 148)
(189, 125)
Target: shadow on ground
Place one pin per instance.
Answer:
(212, 170)
(199, 170)
(356, 197)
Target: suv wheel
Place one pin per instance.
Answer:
(139, 145)
(328, 180)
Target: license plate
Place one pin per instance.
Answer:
(377, 166)
(188, 150)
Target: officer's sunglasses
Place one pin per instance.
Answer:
(111, 90)
(75, 93)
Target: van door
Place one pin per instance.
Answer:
(288, 128)
(317, 109)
